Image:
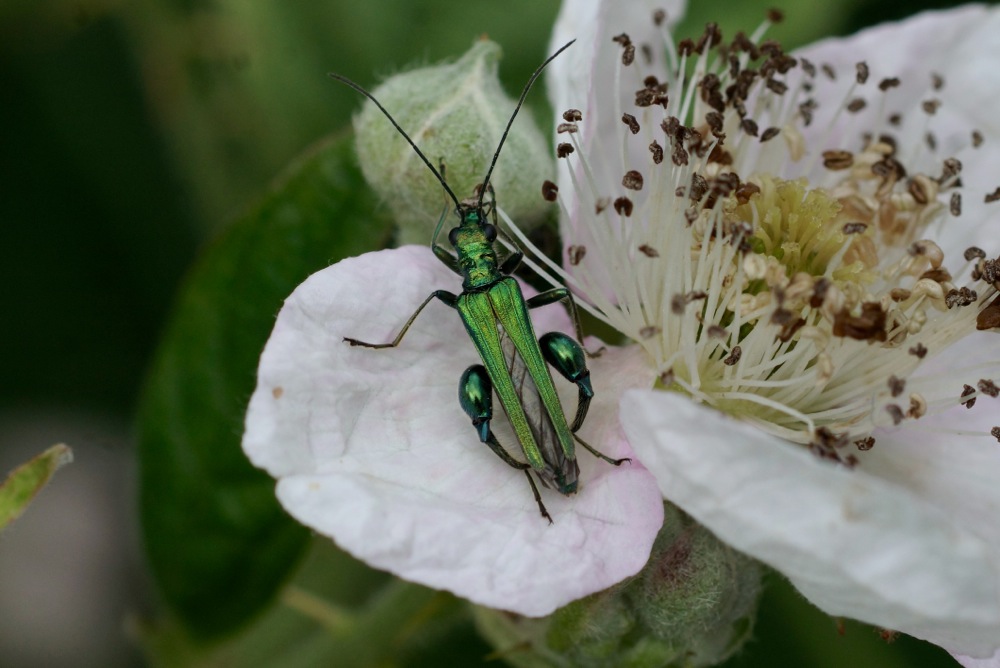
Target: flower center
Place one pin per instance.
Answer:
(793, 287)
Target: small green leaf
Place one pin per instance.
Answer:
(218, 542)
(27, 480)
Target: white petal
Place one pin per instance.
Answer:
(970, 662)
(855, 545)
(371, 448)
(584, 78)
(960, 45)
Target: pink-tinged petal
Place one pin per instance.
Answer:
(856, 545)
(971, 662)
(960, 47)
(371, 448)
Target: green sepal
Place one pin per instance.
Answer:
(218, 543)
(456, 113)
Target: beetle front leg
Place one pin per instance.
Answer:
(448, 298)
(475, 394)
(557, 295)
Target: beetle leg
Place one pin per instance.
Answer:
(448, 298)
(600, 455)
(475, 394)
(567, 357)
(557, 295)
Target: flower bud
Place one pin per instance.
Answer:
(456, 113)
(693, 604)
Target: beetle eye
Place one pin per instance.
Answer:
(490, 232)
(453, 236)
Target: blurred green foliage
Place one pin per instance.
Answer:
(130, 134)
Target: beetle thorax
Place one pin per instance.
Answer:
(473, 242)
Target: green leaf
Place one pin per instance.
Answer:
(27, 480)
(218, 542)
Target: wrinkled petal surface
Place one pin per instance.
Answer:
(878, 547)
(371, 448)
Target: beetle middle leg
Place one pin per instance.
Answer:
(475, 394)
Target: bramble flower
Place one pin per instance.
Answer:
(805, 248)
(801, 249)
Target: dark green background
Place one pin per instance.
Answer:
(131, 134)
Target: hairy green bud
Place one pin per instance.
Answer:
(692, 605)
(456, 114)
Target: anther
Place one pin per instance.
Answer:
(865, 444)
(895, 412)
(572, 115)
(968, 396)
(632, 180)
(930, 107)
(550, 191)
(862, 72)
(837, 160)
(657, 152)
(734, 356)
(648, 251)
(623, 205)
(564, 150)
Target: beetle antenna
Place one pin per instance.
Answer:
(510, 122)
(345, 80)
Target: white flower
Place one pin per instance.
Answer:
(802, 247)
(371, 448)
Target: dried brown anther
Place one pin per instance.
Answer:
(632, 180)
(550, 191)
(836, 160)
(869, 326)
(734, 356)
(988, 387)
(623, 205)
(967, 397)
(575, 254)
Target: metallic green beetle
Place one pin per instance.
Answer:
(495, 313)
